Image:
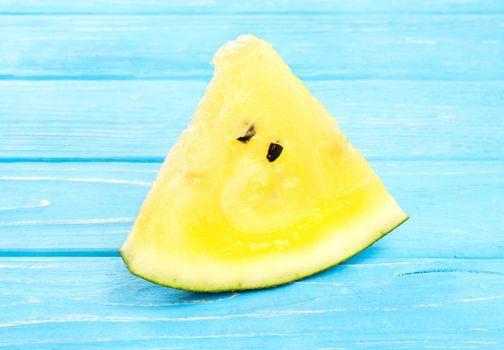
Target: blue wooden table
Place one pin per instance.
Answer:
(93, 94)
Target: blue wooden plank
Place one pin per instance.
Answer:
(141, 120)
(374, 46)
(84, 209)
(69, 207)
(229, 6)
(363, 304)
(383, 298)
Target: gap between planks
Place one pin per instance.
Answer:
(305, 77)
(281, 13)
(59, 253)
(159, 160)
(111, 253)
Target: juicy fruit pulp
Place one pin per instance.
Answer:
(261, 189)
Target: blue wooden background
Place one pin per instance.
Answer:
(93, 93)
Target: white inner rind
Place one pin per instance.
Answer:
(203, 274)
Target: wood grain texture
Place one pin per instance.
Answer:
(363, 304)
(94, 93)
(456, 208)
(277, 7)
(142, 119)
(373, 46)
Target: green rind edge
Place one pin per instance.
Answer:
(383, 234)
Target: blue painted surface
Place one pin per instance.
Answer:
(93, 94)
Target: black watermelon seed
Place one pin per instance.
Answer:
(274, 151)
(248, 135)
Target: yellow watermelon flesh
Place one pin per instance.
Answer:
(261, 189)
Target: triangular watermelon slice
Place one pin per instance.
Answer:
(261, 189)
